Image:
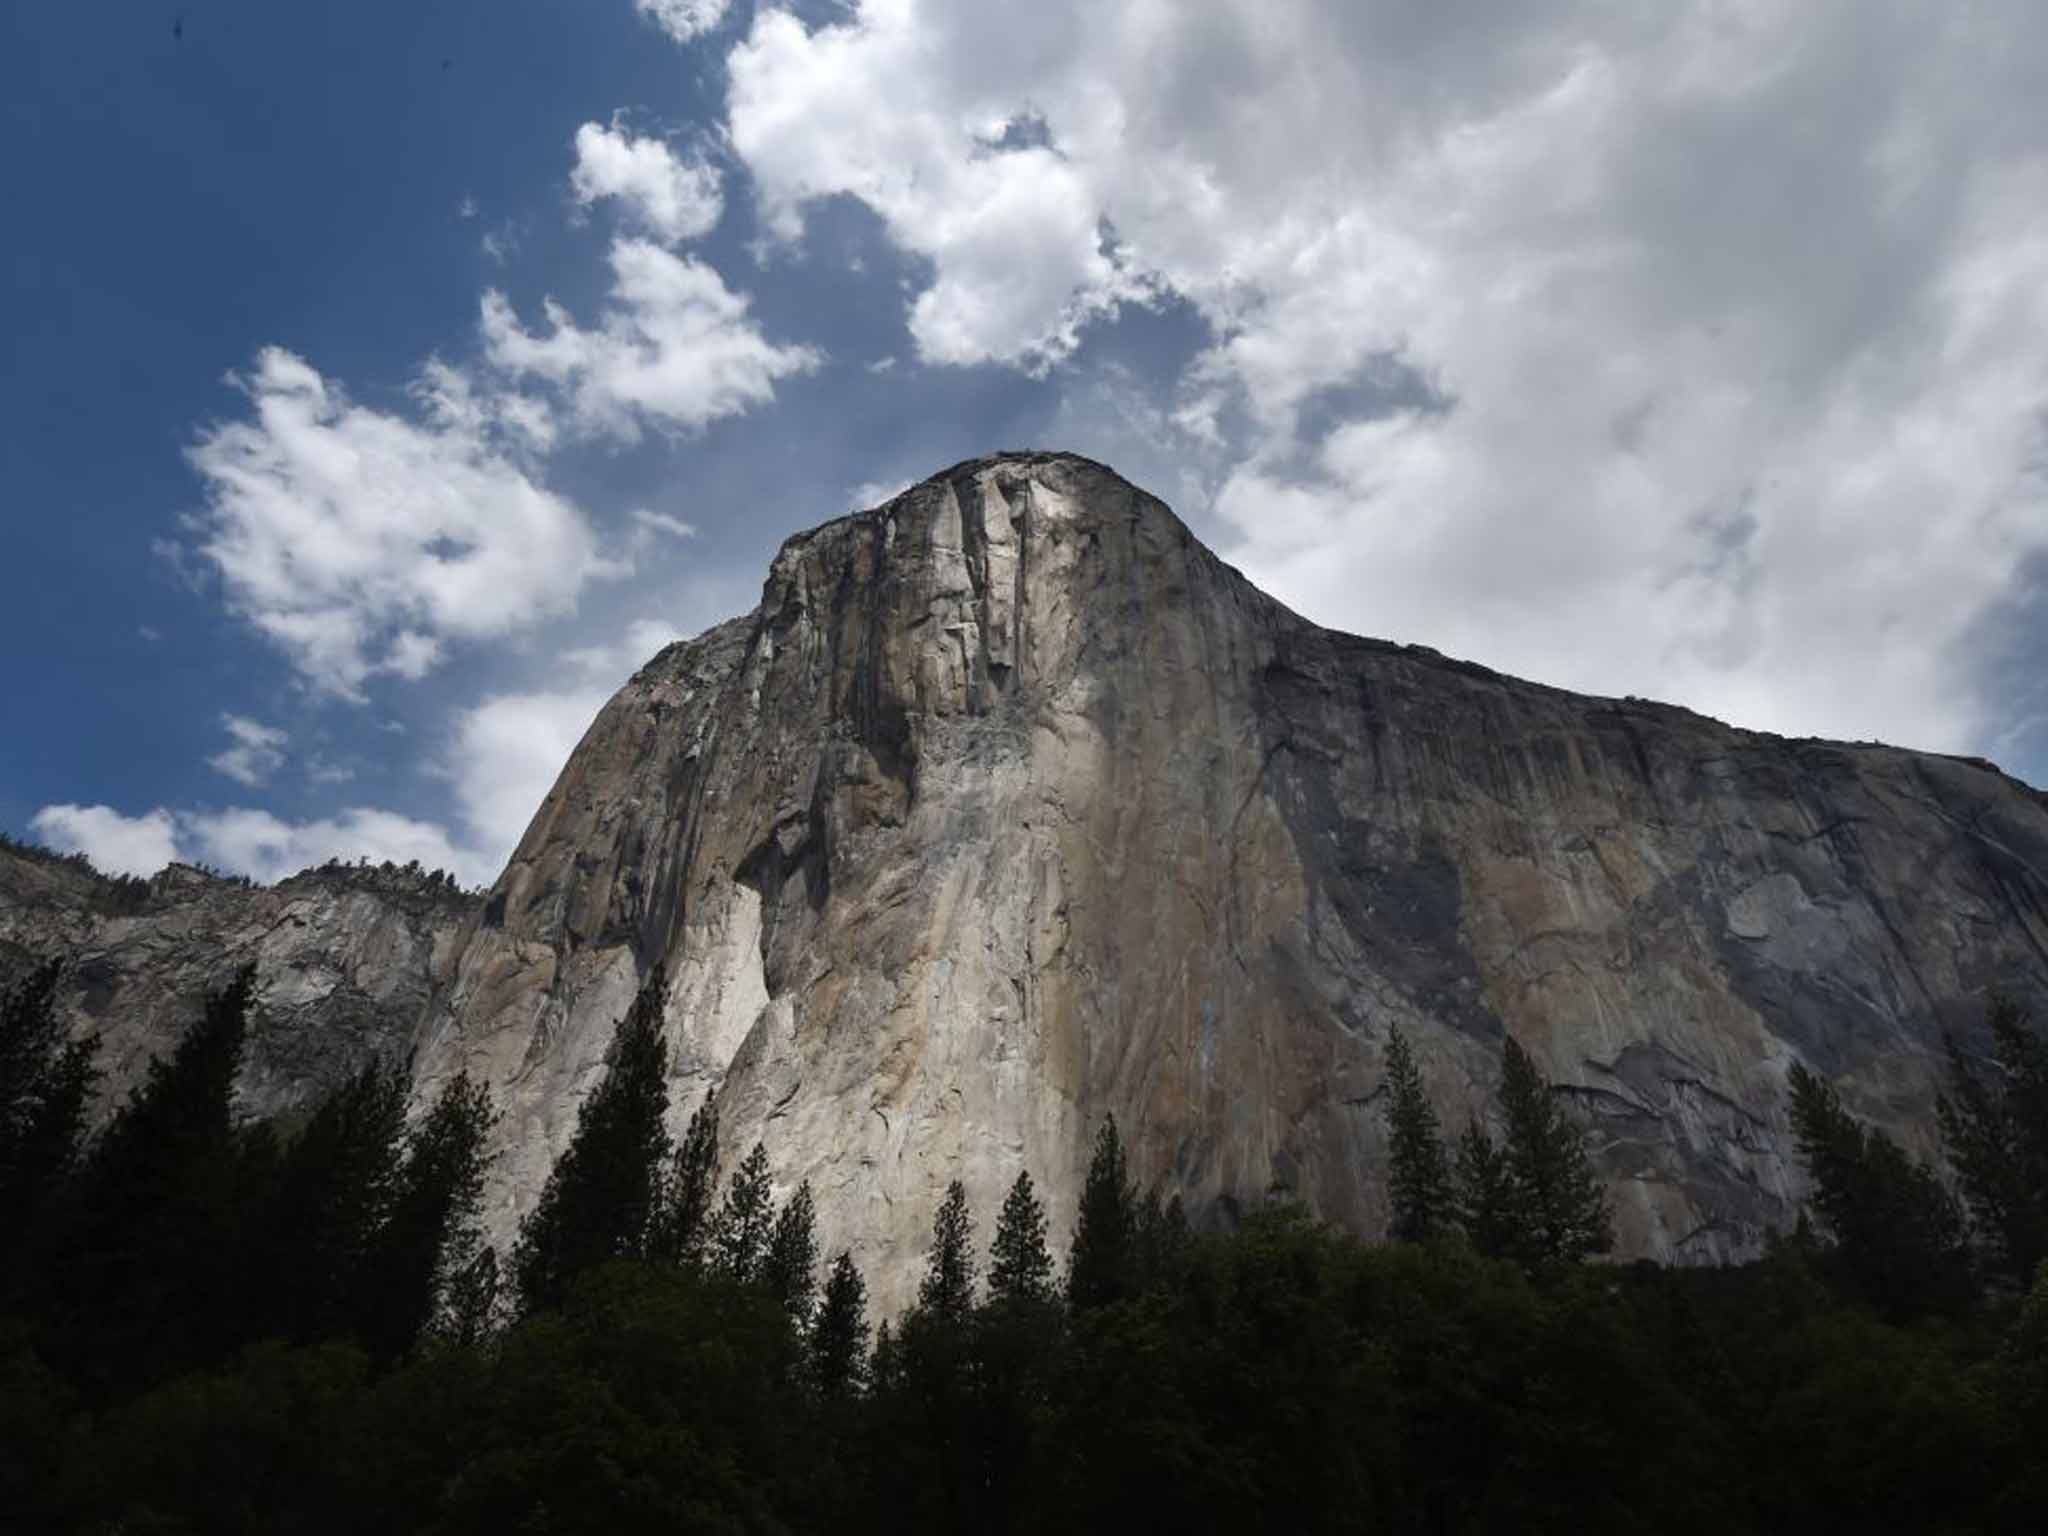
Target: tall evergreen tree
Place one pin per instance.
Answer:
(153, 1266)
(1487, 1207)
(470, 1301)
(1563, 1207)
(333, 1194)
(1994, 1125)
(687, 1194)
(1898, 1233)
(1099, 1266)
(599, 1200)
(789, 1267)
(948, 1287)
(1423, 1196)
(740, 1230)
(45, 1081)
(427, 1251)
(1020, 1266)
(839, 1333)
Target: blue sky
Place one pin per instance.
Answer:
(383, 383)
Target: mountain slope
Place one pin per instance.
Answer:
(1011, 807)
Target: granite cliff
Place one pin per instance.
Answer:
(1011, 806)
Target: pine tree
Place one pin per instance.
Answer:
(44, 1084)
(948, 1288)
(789, 1268)
(333, 1194)
(1898, 1234)
(1487, 1207)
(1099, 1267)
(153, 1260)
(839, 1334)
(1994, 1128)
(1159, 1242)
(1423, 1197)
(1020, 1266)
(688, 1190)
(1563, 1209)
(740, 1230)
(469, 1309)
(426, 1256)
(599, 1201)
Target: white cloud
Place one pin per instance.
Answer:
(265, 847)
(663, 522)
(256, 753)
(1688, 350)
(361, 541)
(250, 842)
(117, 844)
(683, 20)
(676, 347)
(676, 199)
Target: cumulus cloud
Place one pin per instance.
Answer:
(675, 198)
(683, 20)
(255, 752)
(250, 842)
(1689, 350)
(676, 348)
(116, 844)
(361, 541)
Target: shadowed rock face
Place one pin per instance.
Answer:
(1011, 806)
(345, 960)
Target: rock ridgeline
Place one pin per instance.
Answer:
(1011, 806)
(345, 958)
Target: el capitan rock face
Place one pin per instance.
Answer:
(1011, 807)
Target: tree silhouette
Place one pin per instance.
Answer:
(1562, 1209)
(1020, 1266)
(599, 1200)
(839, 1334)
(1099, 1267)
(1424, 1198)
(948, 1287)
(739, 1233)
(789, 1267)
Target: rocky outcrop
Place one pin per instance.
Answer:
(1011, 807)
(344, 958)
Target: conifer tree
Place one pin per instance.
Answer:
(333, 1195)
(1159, 1242)
(1994, 1127)
(469, 1308)
(739, 1232)
(153, 1258)
(789, 1268)
(1423, 1197)
(599, 1200)
(839, 1334)
(691, 1183)
(44, 1084)
(1099, 1266)
(1562, 1208)
(427, 1260)
(1898, 1233)
(948, 1288)
(1487, 1208)
(1020, 1266)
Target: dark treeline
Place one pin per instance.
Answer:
(215, 1327)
